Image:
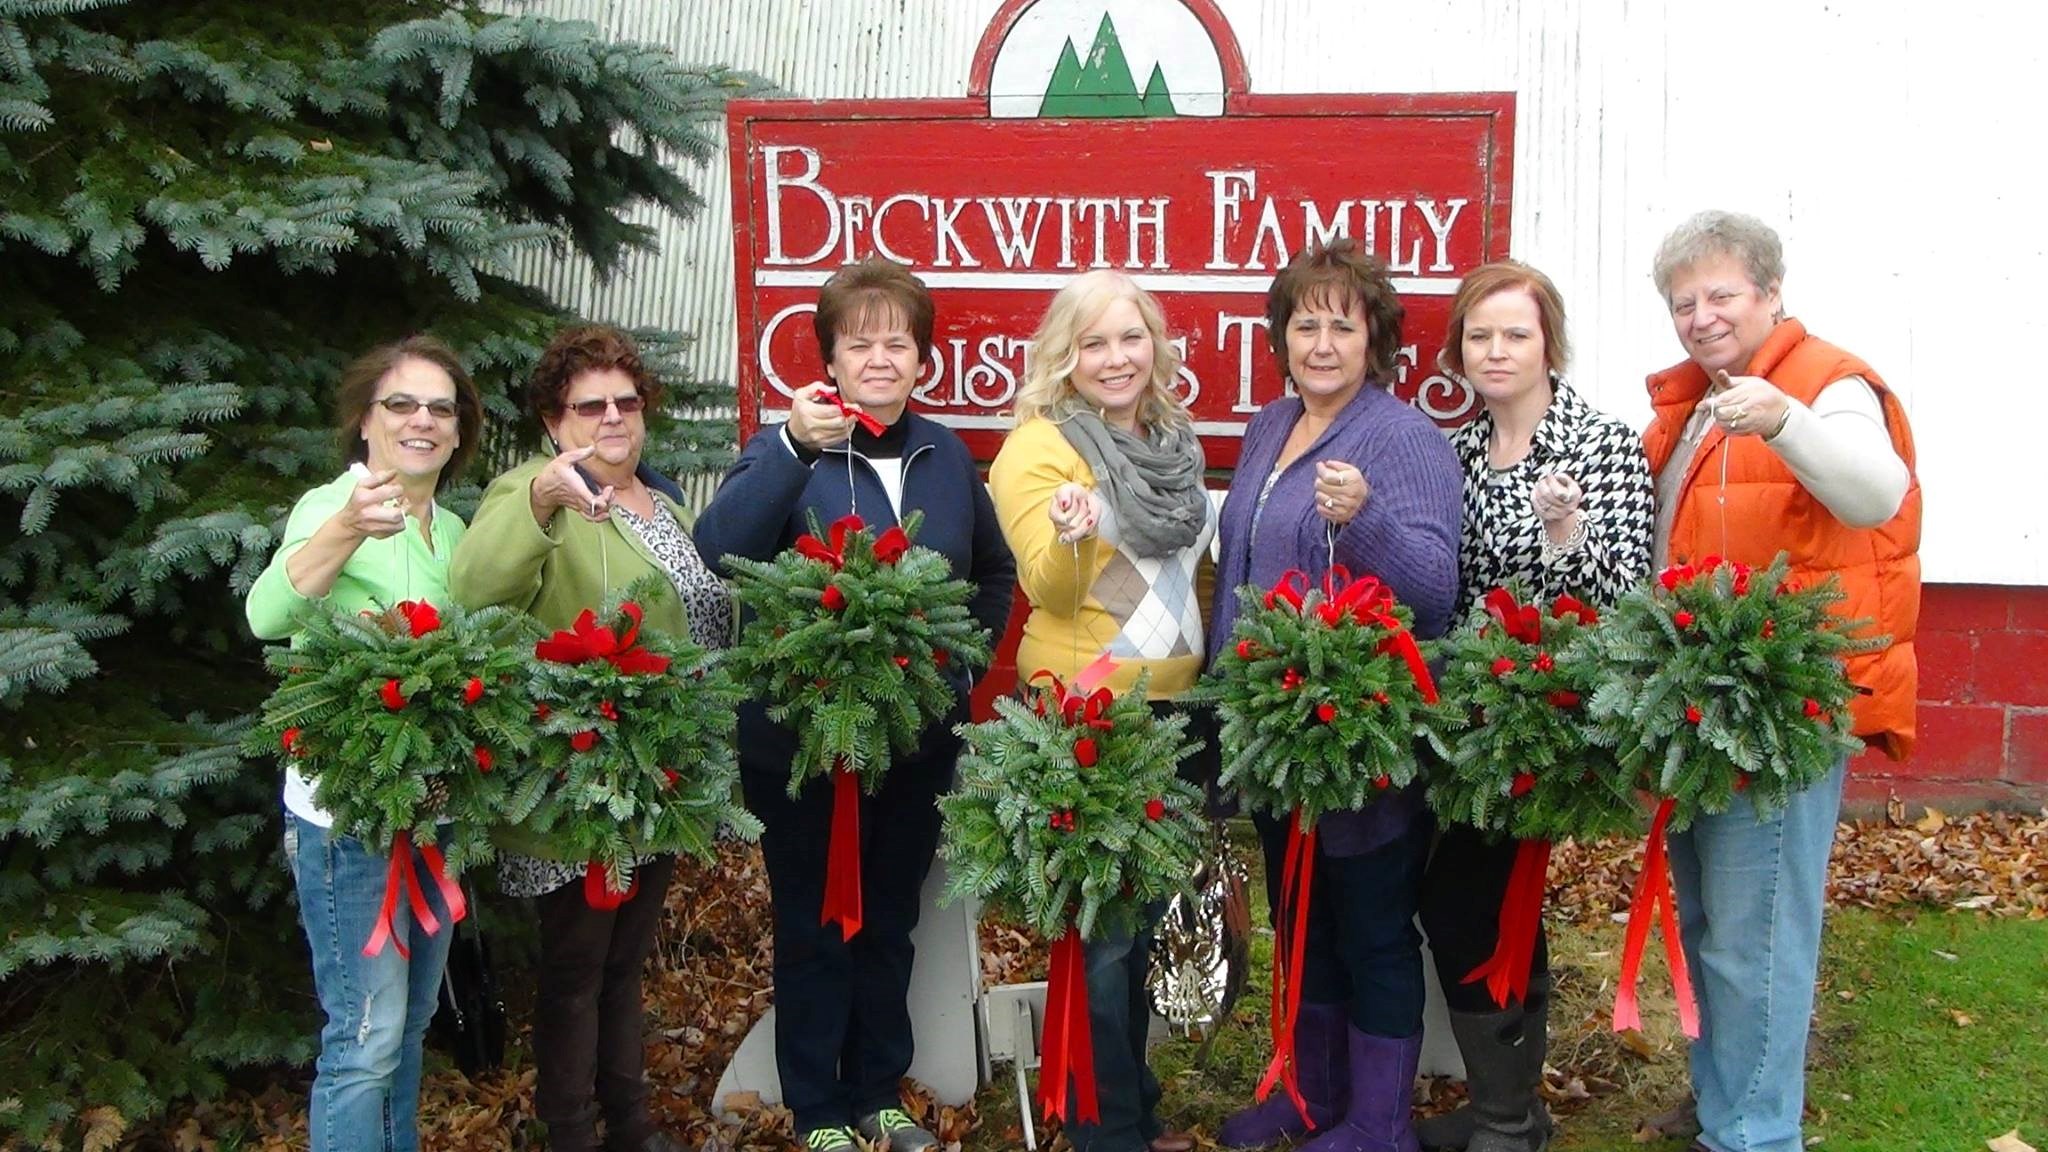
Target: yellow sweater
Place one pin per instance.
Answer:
(1094, 596)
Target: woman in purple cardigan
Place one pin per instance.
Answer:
(1343, 469)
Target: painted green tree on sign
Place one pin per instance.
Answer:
(1102, 87)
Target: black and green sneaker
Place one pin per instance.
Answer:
(892, 1130)
(830, 1140)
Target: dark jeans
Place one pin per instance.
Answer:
(1119, 1016)
(1363, 950)
(1461, 897)
(589, 1042)
(842, 1021)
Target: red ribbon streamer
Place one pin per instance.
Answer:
(842, 857)
(1068, 1044)
(1297, 875)
(401, 876)
(830, 396)
(1653, 900)
(597, 888)
(1506, 972)
(586, 641)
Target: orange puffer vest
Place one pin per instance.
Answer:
(1763, 510)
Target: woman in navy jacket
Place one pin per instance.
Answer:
(842, 1024)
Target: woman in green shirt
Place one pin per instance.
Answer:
(409, 420)
(555, 536)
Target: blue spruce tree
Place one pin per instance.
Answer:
(205, 210)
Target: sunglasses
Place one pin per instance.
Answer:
(593, 409)
(400, 404)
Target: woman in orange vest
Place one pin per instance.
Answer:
(1769, 440)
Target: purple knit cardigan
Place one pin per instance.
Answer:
(1407, 535)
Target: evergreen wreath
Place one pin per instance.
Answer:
(634, 754)
(1321, 694)
(1070, 809)
(849, 641)
(399, 719)
(1719, 678)
(1511, 754)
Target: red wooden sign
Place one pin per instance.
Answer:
(995, 214)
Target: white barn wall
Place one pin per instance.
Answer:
(1875, 135)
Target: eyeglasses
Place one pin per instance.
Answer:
(400, 404)
(594, 409)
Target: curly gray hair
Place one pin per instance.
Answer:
(1715, 233)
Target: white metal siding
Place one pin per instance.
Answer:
(1883, 139)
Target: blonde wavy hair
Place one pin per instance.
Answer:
(1055, 348)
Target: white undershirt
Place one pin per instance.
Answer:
(888, 471)
(1842, 453)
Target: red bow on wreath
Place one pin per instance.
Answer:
(1522, 622)
(1366, 601)
(1565, 606)
(420, 617)
(1291, 590)
(586, 642)
(889, 546)
(1077, 709)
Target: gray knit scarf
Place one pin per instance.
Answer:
(1153, 483)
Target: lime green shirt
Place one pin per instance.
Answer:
(378, 575)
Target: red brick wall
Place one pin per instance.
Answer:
(1983, 717)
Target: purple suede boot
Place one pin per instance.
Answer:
(1322, 1064)
(1382, 1092)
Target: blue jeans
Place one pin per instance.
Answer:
(366, 1083)
(1750, 894)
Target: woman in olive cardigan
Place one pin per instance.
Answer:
(553, 537)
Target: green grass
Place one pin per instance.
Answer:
(1891, 1068)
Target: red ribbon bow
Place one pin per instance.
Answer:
(1067, 1043)
(1366, 601)
(1565, 606)
(586, 642)
(420, 617)
(1653, 900)
(834, 554)
(831, 396)
(1291, 589)
(889, 546)
(402, 876)
(1522, 622)
(1077, 709)
(1371, 602)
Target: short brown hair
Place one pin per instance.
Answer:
(862, 294)
(1341, 273)
(1491, 280)
(582, 348)
(357, 391)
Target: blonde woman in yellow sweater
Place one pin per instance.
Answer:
(1099, 492)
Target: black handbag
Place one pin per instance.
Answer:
(470, 1021)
